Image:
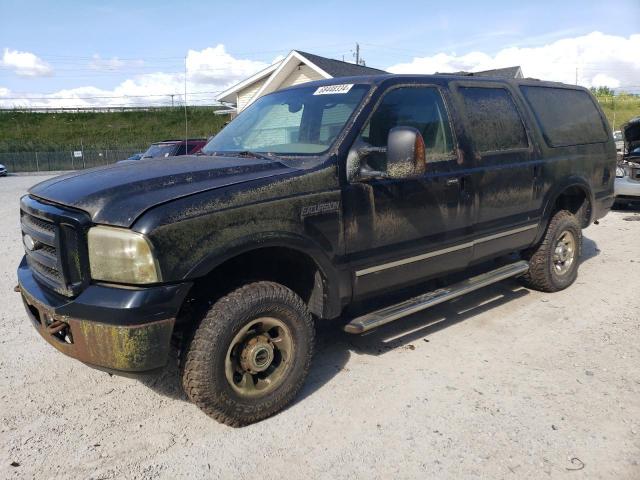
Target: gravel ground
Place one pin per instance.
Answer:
(504, 383)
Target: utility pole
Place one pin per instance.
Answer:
(356, 54)
(172, 95)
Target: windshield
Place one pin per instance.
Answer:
(159, 150)
(300, 122)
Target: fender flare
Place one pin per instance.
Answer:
(557, 190)
(331, 277)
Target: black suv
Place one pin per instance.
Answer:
(326, 200)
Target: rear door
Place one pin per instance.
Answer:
(507, 167)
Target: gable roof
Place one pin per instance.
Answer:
(229, 95)
(338, 68)
(326, 67)
(508, 72)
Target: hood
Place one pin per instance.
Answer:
(118, 194)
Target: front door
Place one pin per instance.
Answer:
(401, 231)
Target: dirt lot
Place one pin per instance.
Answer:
(505, 383)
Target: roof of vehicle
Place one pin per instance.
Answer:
(440, 78)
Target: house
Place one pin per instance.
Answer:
(298, 67)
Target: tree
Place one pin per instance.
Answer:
(602, 91)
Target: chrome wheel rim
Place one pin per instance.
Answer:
(564, 253)
(259, 357)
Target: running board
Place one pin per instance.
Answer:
(429, 299)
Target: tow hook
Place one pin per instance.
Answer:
(16, 289)
(56, 327)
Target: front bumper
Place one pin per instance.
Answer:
(117, 329)
(625, 187)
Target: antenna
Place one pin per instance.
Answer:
(186, 123)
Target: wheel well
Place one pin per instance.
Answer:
(575, 200)
(286, 266)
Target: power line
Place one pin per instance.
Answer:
(109, 97)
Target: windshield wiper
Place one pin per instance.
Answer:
(249, 153)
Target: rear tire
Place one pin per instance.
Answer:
(553, 263)
(250, 354)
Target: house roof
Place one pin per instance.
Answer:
(508, 72)
(338, 68)
(229, 95)
(327, 67)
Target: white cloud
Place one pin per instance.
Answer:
(214, 65)
(600, 60)
(604, 80)
(209, 72)
(25, 64)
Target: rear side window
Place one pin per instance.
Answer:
(493, 119)
(566, 116)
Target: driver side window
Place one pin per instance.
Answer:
(418, 107)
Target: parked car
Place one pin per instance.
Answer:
(171, 148)
(627, 184)
(619, 139)
(3, 170)
(353, 210)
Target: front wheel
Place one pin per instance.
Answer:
(250, 354)
(553, 263)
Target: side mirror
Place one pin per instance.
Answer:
(405, 153)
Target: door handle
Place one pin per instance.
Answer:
(452, 181)
(537, 170)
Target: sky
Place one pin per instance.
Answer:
(126, 53)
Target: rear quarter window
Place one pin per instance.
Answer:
(493, 119)
(566, 117)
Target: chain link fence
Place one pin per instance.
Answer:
(63, 160)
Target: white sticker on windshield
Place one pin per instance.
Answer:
(333, 89)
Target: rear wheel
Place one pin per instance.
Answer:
(553, 263)
(250, 354)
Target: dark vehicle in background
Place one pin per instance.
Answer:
(170, 148)
(136, 156)
(366, 201)
(619, 139)
(3, 171)
(627, 185)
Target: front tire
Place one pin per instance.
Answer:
(553, 263)
(250, 354)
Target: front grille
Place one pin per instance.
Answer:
(56, 249)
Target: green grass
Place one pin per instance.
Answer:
(620, 109)
(27, 132)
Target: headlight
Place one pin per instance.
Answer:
(620, 172)
(120, 255)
